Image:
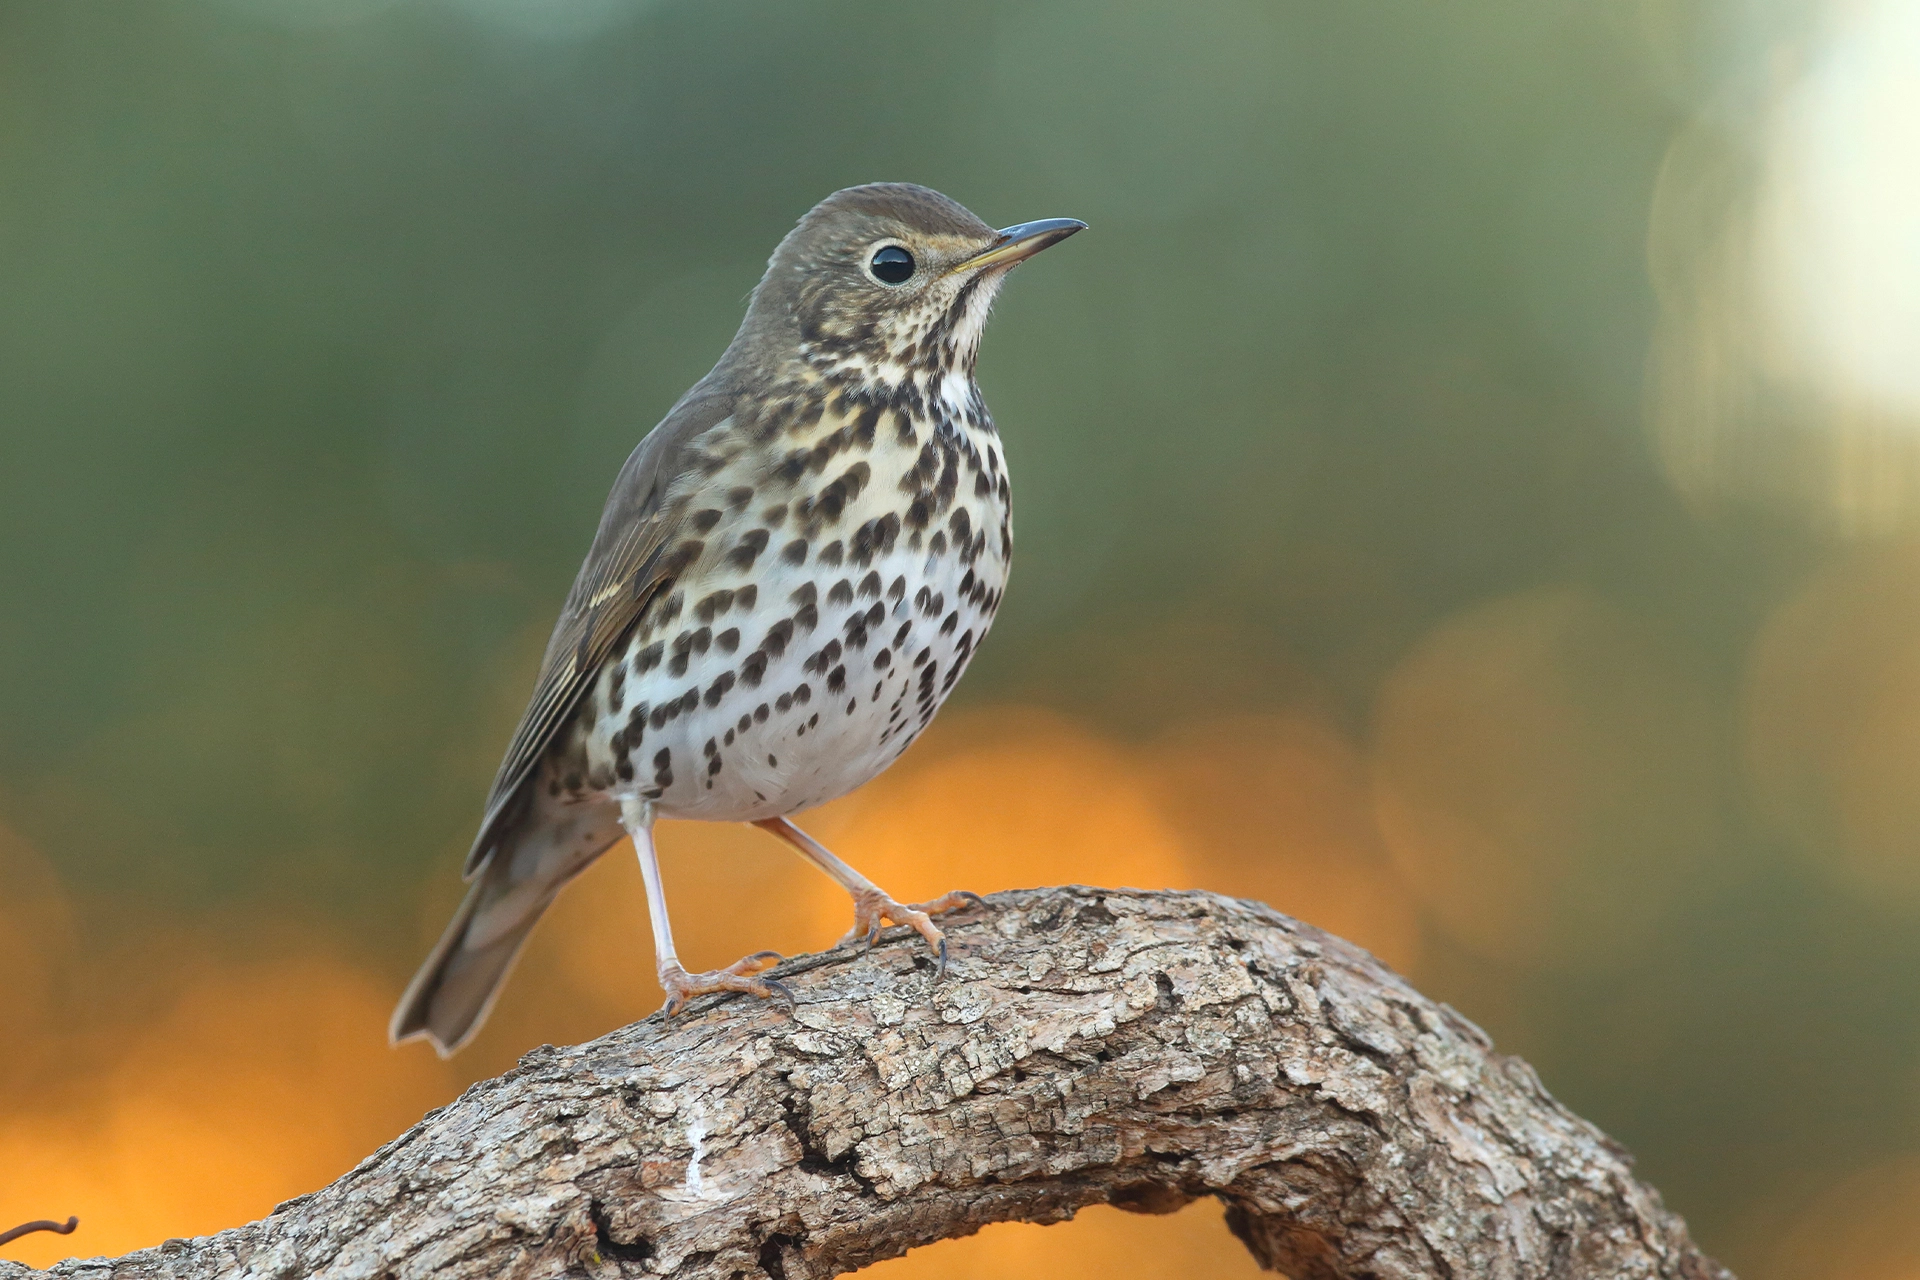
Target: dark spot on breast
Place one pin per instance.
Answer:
(754, 669)
(783, 703)
(704, 520)
(831, 553)
(803, 693)
(952, 620)
(760, 713)
(823, 658)
(773, 761)
(739, 496)
(728, 640)
(748, 549)
(617, 688)
(774, 516)
(777, 637)
(795, 552)
(808, 617)
(675, 563)
(882, 660)
(745, 598)
(837, 679)
(650, 657)
(842, 593)
(719, 687)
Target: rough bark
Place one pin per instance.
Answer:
(1087, 1046)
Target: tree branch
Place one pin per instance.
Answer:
(1087, 1046)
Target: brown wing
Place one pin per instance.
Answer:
(627, 568)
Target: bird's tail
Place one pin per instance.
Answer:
(450, 997)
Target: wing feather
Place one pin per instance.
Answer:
(634, 559)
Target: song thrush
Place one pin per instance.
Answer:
(792, 571)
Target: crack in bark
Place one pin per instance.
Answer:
(1087, 1046)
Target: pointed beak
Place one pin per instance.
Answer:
(1021, 242)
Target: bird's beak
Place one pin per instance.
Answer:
(1018, 243)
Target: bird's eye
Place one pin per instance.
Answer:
(891, 265)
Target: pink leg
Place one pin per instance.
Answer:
(680, 985)
(871, 906)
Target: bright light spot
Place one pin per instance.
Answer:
(1839, 220)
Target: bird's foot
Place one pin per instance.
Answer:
(682, 986)
(872, 909)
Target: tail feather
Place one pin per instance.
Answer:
(454, 991)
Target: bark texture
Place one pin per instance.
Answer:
(1086, 1046)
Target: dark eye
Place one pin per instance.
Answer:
(892, 265)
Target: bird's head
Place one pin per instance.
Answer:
(885, 280)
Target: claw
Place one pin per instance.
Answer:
(682, 986)
(942, 971)
(873, 934)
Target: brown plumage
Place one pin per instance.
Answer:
(791, 572)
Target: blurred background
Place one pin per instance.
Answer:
(1468, 496)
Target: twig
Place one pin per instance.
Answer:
(39, 1224)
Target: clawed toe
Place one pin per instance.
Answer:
(873, 910)
(682, 986)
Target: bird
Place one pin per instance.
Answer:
(791, 572)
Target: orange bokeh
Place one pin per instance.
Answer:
(1832, 727)
(1546, 780)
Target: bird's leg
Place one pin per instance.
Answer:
(681, 986)
(871, 905)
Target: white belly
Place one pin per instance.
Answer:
(733, 732)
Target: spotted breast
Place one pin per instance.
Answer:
(832, 604)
